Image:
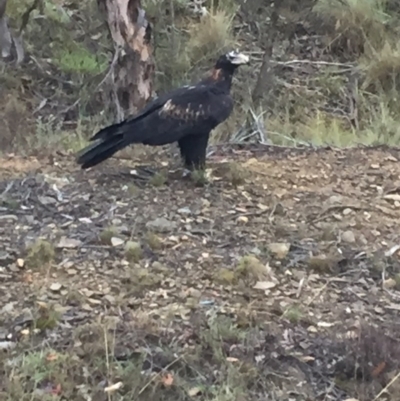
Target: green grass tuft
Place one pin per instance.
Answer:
(40, 254)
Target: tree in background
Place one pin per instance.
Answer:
(5, 35)
(132, 68)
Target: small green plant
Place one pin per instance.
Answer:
(40, 254)
(133, 251)
(106, 235)
(154, 241)
(133, 189)
(294, 314)
(78, 60)
(225, 276)
(47, 317)
(235, 174)
(250, 267)
(11, 204)
(142, 279)
(73, 297)
(158, 180)
(199, 177)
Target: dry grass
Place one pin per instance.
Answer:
(210, 37)
(354, 24)
(382, 68)
(313, 111)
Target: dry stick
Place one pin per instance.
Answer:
(158, 374)
(387, 386)
(305, 61)
(18, 39)
(107, 357)
(319, 292)
(110, 69)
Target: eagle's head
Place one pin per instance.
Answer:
(232, 60)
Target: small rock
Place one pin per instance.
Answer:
(7, 345)
(115, 241)
(348, 236)
(335, 199)
(7, 308)
(389, 283)
(68, 243)
(393, 197)
(159, 267)
(194, 293)
(205, 202)
(279, 249)
(20, 263)
(47, 200)
(88, 292)
(242, 219)
(110, 299)
(9, 217)
(5, 257)
(94, 301)
(71, 272)
(264, 285)
(87, 307)
(347, 211)
(85, 220)
(55, 287)
(161, 224)
(262, 206)
(256, 251)
(30, 219)
(184, 210)
(279, 209)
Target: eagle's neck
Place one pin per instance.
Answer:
(220, 77)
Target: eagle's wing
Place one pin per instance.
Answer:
(195, 111)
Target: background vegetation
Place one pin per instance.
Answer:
(333, 79)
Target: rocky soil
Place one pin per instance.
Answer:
(284, 267)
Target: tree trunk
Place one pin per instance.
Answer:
(5, 35)
(263, 90)
(134, 63)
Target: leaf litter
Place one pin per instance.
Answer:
(318, 225)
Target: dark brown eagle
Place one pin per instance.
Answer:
(186, 115)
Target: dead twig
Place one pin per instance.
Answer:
(304, 61)
(158, 375)
(111, 68)
(387, 386)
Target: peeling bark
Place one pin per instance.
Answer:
(134, 66)
(5, 34)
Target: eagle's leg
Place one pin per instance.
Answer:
(193, 150)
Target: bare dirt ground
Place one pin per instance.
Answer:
(281, 287)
